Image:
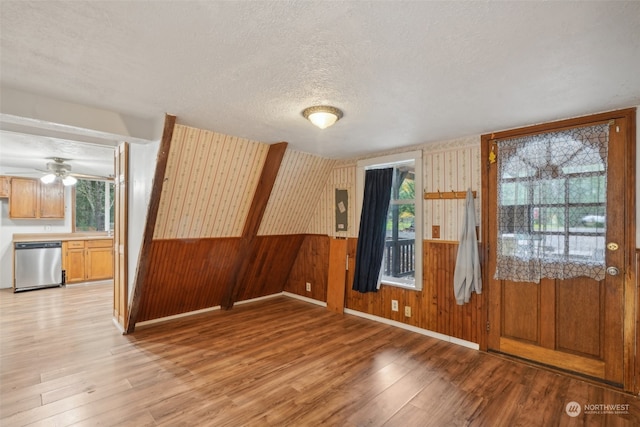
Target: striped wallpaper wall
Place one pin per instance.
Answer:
(449, 165)
(343, 177)
(209, 184)
(450, 169)
(298, 187)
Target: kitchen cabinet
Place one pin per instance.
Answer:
(73, 261)
(30, 198)
(87, 260)
(51, 200)
(99, 259)
(5, 186)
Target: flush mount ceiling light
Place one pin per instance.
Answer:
(322, 116)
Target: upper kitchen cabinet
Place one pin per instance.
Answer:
(30, 198)
(5, 186)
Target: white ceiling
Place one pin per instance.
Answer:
(404, 73)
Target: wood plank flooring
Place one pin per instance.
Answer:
(276, 362)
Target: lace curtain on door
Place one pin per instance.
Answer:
(552, 205)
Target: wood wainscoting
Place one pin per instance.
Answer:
(193, 274)
(433, 308)
(312, 266)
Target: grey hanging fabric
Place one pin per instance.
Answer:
(467, 277)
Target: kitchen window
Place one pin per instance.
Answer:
(93, 205)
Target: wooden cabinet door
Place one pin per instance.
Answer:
(52, 200)
(99, 259)
(5, 186)
(24, 198)
(74, 261)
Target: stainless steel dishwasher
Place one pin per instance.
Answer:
(37, 265)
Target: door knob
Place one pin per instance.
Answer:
(612, 271)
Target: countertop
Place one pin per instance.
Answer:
(48, 237)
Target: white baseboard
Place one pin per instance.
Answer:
(176, 316)
(305, 299)
(118, 325)
(368, 316)
(204, 310)
(412, 328)
(257, 299)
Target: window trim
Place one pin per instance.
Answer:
(107, 213)
(390, 161)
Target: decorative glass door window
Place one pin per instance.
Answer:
(552, 205)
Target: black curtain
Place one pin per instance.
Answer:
(373, 229)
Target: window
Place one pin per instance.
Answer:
(552, 205)
(402, 261)
(94, 208)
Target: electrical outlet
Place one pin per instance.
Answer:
(308, 287)
(407, 311)
(394, 305)
(435, 231)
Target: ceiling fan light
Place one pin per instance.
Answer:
(48, 178)
(69, 180)
(322, 116)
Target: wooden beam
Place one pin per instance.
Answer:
(152, 215)
(252, 224)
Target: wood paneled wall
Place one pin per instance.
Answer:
(209, 183)
(433, 308)
(207, 191)
(311, 265)
(273, 258)
(186, 275)
(447, 165)
(189, 275)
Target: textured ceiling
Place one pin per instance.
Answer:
(404, 73)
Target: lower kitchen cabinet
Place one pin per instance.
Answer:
(73, 261)
(99, 259)
(87, 260)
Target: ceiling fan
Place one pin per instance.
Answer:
(59, 170)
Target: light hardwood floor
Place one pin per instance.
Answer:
(274, 362)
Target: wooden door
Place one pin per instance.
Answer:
(580, 324)
(120, 270)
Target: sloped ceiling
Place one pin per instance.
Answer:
(404, 73)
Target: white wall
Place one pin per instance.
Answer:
(9, 227)
(142, 167)
(88, 119)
